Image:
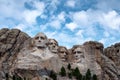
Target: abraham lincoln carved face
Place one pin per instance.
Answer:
(78, 54)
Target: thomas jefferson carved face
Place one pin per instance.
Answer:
(78, 54)
(40, 40)
(53, 45)
(62, 51)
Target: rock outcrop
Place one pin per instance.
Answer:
(112, 61)
(34, 58)
(11, 42)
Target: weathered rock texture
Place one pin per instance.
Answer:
(112, 62)
(11, 42)
(93, 52)
(34, 58)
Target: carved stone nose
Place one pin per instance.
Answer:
(76, 56)
(64, 53)
(39, 41)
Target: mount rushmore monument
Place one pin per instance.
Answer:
(34, 57)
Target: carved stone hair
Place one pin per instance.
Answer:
(54, 40)
(62, 47)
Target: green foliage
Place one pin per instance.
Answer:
(88, 74)
(16, 77)
(94, 77)
(83, 78)
(76, 73)
(70, 75)
(7, 76)
(53, 75)
(69, 66)
(25, 78)
(63, 71)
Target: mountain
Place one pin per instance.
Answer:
(35, 58)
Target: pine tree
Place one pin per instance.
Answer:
(83, 77)
(53, 75)
(76, 73)
(70, 75)
(94, 77)
(7, 76)
(69, 66)
(14, 77)
(88, 75)
(63, 71)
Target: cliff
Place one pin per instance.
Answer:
(36, 57)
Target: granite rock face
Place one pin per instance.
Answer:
(93, 52)
(35, 57)
(11, 42)
(113, 56)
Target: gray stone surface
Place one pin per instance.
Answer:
(31, 57)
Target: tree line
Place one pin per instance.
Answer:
(73, 73)
(69, 73)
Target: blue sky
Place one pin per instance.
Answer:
(70, 22)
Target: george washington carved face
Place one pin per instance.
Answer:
(40, 40)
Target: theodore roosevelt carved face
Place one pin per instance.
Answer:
(62, 52)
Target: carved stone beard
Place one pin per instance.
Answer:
(78, 55)
(53, 45)
(40, 41)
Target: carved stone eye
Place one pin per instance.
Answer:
(78, 52)
(51, 43)
(63, 52)
(42, 38)
(36, 38)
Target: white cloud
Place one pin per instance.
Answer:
(20, 26)
(103, 40)
(11, 9)
(107, 5)
(61, 16)
(43, 16)
(16, 10)
(81, 18)
(106, 34)
(80, 33)
(55, 24)
(55, 21)
(72, 26)
(70, 3)
(51, 6)
(111, 20)
(30, 15)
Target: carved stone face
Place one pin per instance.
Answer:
(40, 40)
(53, 45)
(62, 51)
(78, 54)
